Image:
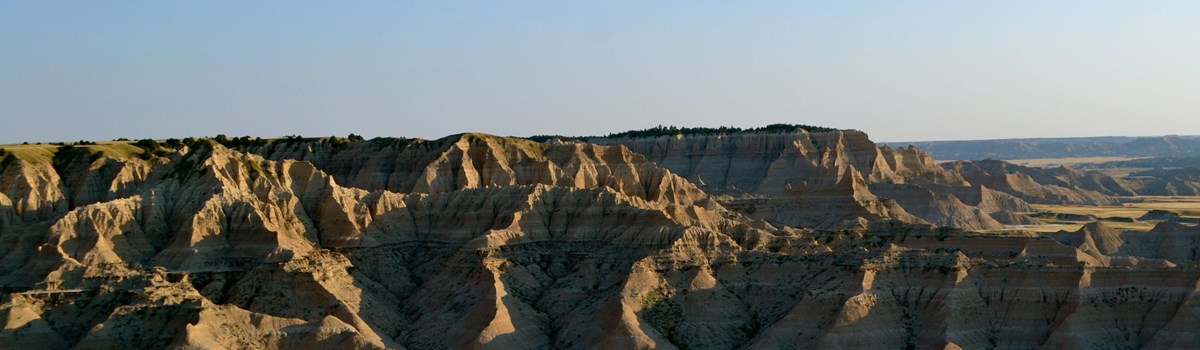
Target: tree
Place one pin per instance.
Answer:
(147, 144)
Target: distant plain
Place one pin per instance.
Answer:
(1116, 215)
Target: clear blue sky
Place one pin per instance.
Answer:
(900, 70)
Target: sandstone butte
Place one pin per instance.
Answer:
(764, 240)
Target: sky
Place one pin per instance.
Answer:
(899, 70)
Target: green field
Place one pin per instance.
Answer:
(1067, 162)
(1183, 205)
(44, 153)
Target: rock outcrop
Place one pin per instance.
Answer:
(1031, 184)
(831, 179)
(478, 241)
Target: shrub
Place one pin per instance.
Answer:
(64, 155)
(6, 157)
(674, 130)
(150, 149)
(544, 138)
(290, 139)
(148, 144)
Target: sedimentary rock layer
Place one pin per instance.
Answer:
(477, 241)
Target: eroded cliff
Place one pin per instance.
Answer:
(477, 241)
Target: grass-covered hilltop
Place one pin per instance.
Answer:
(686, 131)
(146, 149)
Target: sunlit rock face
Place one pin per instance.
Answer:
(745, 240)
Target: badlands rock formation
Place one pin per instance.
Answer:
(484, 242)
(1057, 186)
(1064, 185)
(835, 179)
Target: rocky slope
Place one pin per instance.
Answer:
(477, 241)
(828, 179)
(1086, 185)
(1166, 182)
(1054, 186)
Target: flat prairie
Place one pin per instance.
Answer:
(1122, 216)
(1067, 162)
(44, 153)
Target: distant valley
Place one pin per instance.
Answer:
(1111, 146)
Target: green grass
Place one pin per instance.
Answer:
(1185, 206)
(32, 153)
(119, 150)
(44, 153)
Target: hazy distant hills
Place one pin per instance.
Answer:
(1114, 146)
